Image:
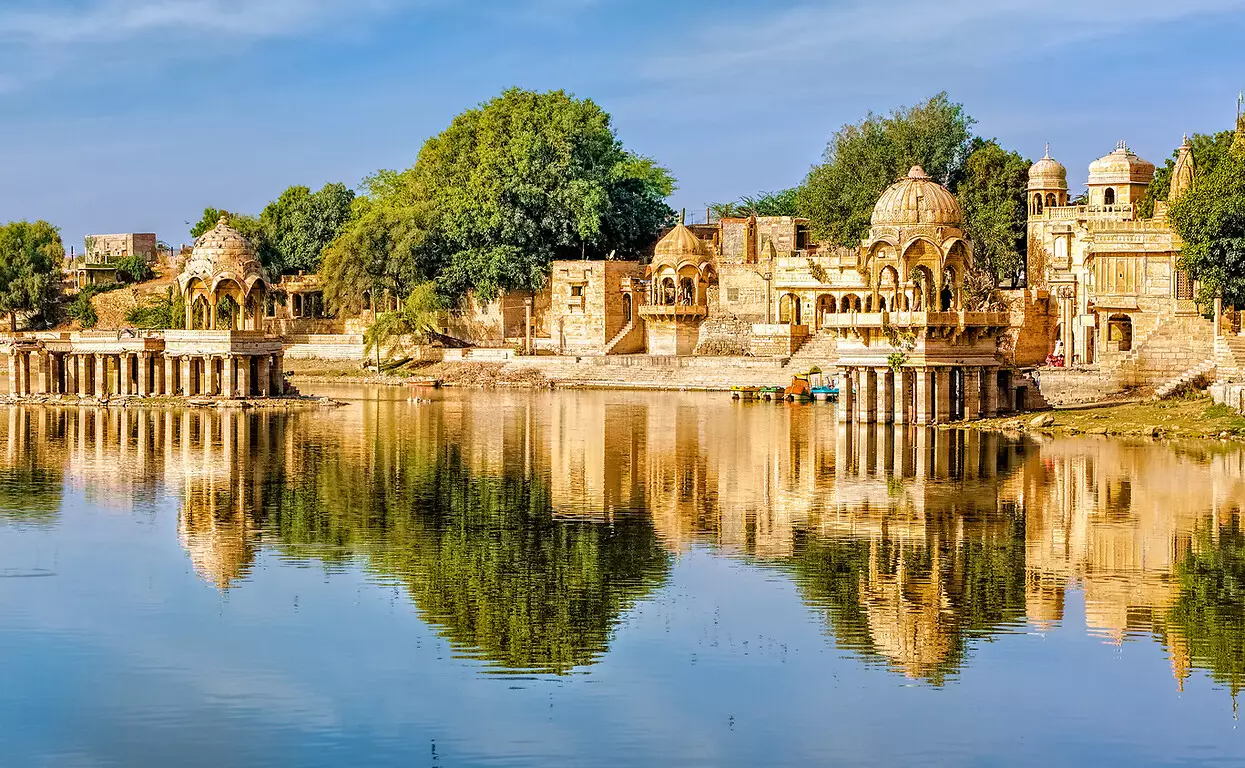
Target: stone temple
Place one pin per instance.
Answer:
(223, 353)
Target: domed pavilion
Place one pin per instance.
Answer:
(224, 277)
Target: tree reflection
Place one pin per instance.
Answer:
(31, 486)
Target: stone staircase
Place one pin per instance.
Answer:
(618, 337)
(1034, 400)
(821, 350)
(1230, 358)
(1198, 377)
(1164, 351)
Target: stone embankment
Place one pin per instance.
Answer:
(712, 374)
(1190, 417)
(288, 402)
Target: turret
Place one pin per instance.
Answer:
(1048, 185)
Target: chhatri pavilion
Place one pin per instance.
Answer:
(223, 352)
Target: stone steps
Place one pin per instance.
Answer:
(1198, 377)
(821, 350)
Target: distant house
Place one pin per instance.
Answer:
(97, 264)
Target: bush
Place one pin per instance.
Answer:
(134, 269)
(167, 311)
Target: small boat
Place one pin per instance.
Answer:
(745, 393)
(826, 394)
(771, 393)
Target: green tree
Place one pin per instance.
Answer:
(782, 203)
(314, 222)
(418, 316)
(1210, 219)
(510, 186)
(1210, 612)
(248, 226)
(30, 263)
(862, 160)
(134, 269)
(1208, 152)
(378, 252)
(991, 191)
(165, 311)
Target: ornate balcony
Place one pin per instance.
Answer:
(674, 311)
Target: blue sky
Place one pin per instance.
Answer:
(132, 115)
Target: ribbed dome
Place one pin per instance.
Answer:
(1121, 167)
(223, 251)
(679, 247)
(1048, 173)
(917, 199)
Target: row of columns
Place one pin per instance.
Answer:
(920, 396)
(144, 374)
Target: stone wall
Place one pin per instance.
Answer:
(102, 249)
(742, 292)
(324, 347)
(586, 306)
(1073, 386)
(672, 337)
(778, 340)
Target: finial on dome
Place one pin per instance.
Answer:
(1047, 151)
(223, 221)
(683, 217)
(1122, 145)
(917, 172)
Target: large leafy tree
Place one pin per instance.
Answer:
(510, 186)
(1208, 152)
(1210, 219)
(30, 264)
(991, 190)
(863, 159)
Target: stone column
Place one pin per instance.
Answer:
(942, 395)
(278, 375)
(84, 375)
(101, 375)
(170, 375)
(886, 408)
(125, 374)
(144, 374)
(903, 396)
(70, 364)
(974, 380)
(244, 377)
(527, 324)
(847, 395)
(990, 407)
(210, 385)
(227, 366)
(187, 377)
(13, 373)
(211, 323)
(43, 382)
(264, 375)
(867, 397)
(924, 382)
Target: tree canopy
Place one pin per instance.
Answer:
(1210, 218)
(863, 159)
(990, 189)
(781, 203)
(1208, 152)
(292, 232)
(508, 187)
(30, 263)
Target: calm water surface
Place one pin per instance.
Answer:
(581, 579)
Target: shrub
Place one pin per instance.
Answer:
(167, 311)
(134, 269)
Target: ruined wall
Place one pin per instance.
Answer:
(723, 333)
(105, 249)
(742, 292)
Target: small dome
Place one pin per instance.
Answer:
(681, 246)
(1121, 167)
(223, 250)
(1048, 173)
(917, 199)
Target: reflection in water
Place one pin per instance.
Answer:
(525, 526)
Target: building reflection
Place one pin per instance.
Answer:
(524, 525)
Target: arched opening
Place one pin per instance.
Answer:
(851, 303)
(1120, 333)
(228, 313)
(1108, 196)
(826, 305)
(667, 291)
(687, 291)
(1051, 202)
(789, 309)
(922, 289)
(1037, 204)
(948, 296)
(869, 303)
(888, 288)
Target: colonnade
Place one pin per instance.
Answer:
(144, 374)
(922, 396)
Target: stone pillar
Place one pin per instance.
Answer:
(974, 383)
(125, 373)
(903, 396)
(43, 379)
(990, 406)
(227, 366)
(211, 323)
(527, 324)
(187, 377)
(84, 375)
(278, 375)
(101, 375)
(169, 384)
(13, 373)
(924, 385)
(264, 375)
(144, 374)
(886, 408)
(942, 395)
(70, 365)
(847, 395)
(244, 377)
(210, 384)
(189, 313)
(867, 398)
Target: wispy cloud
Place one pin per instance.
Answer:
(825, 39)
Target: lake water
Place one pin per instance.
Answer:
(608, 579)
